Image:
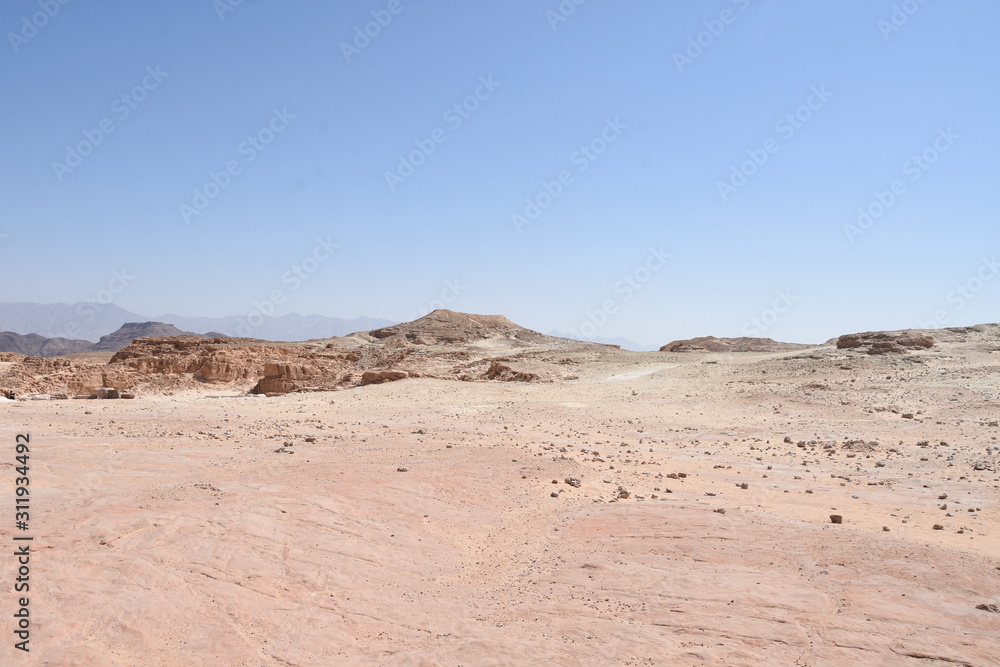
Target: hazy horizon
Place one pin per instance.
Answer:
(646, 172)
(260, 331)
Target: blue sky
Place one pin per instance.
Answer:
(738, 138)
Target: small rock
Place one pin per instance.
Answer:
(907, 415)
(886, 528)
(836, 518)
(938, 526)
(721, 510)
(992, 608)
(402, 469)
(554, 494)
(744, 485)
(573, 481)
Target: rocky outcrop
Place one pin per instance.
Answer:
(215, 360)
(498, 371)
(713, 344)
(39, 375)
(378, 377)
(285, 378)
(882, 342)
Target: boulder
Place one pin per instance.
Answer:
(378, 377)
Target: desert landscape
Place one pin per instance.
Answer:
(489, 334)
(459, 490)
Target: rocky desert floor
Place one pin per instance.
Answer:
(659, 509)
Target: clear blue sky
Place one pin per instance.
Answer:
(671, 129)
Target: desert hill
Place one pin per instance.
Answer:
(40, 346)
(131, 330)
(448, 327)
(713, 344)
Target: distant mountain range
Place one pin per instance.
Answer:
(90, 321)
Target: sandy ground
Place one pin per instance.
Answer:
(414, 523)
